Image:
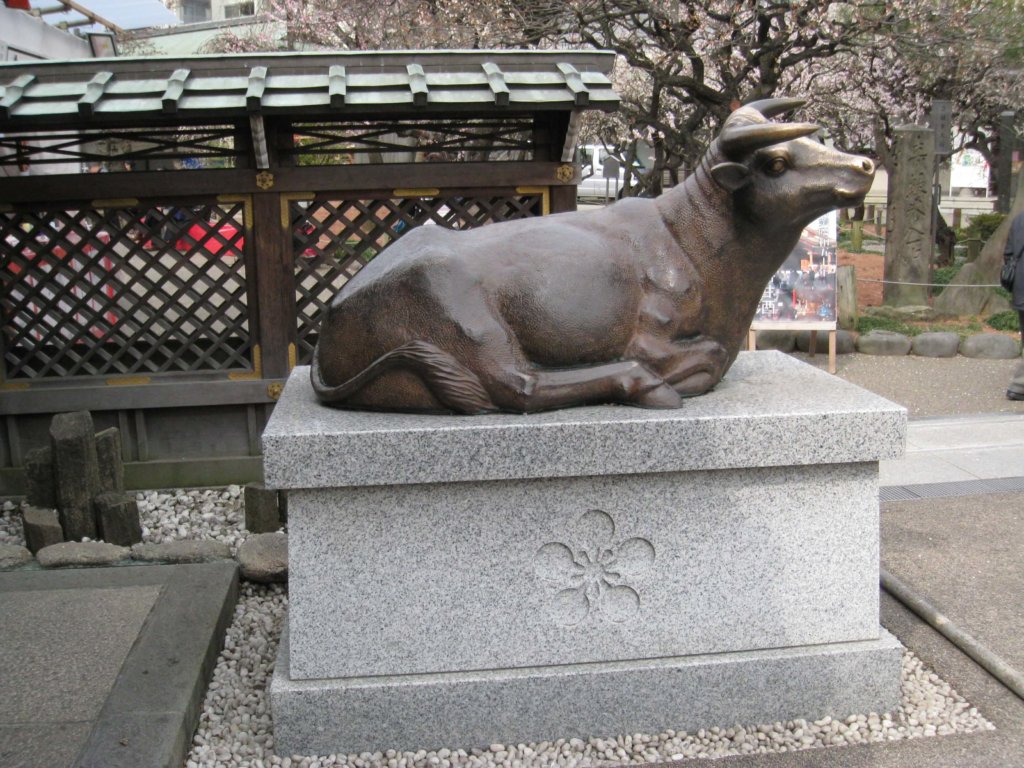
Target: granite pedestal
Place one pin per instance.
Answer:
(460, 581)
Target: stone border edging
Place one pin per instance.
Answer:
(985, 346)
(262, 557)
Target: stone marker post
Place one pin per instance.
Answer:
(111, 466)
(39, 475)
(76, 472)
(909, 241)
(846, 297)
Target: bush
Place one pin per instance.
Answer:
(942, 277)
(1003, 321)
(982, 226)
(867, 324)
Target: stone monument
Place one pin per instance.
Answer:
(909, 242)
(505, 578)
(512, 578)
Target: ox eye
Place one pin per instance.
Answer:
(776, 166)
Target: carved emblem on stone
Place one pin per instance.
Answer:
(264, 180)
(565, 173)
(593, 572)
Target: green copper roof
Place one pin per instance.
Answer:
(225, 87)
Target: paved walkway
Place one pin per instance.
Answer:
(961, 449)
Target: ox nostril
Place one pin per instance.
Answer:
(867, 165)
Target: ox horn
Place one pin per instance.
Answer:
(738, 140)
(776, 107)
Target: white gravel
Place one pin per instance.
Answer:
(235, 728)
(10, 524)
(194, 514)
(173, 515)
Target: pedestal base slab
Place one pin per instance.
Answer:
(514, 706)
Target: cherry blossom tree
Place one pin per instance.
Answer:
(866, 65)
(969, 53)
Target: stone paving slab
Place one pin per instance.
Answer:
(62, 653)
(107, 667)
(963, 554)
(959, 448)
(976, 432)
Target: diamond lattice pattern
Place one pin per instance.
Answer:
(333, 239)
(124, 290)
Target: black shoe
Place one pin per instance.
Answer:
(1011, 395)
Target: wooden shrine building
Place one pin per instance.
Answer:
(170, 229)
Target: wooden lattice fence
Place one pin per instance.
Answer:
(172, 292)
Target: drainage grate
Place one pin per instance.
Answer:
(896, 493)
(958, 488)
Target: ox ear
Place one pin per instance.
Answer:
(731, 176)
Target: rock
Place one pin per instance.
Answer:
(965, 298)
(41, 527)
(13, 556)
(75, 471)
(263, 557)
(262, 509)
(990, 346)
(845, 344)
(39, 474)
(81, 553)
(919, 312)
(784, 341)
(884, 343)
(117, 518)
(915, 312)
(939, 344)
(108, 454)
(181, 552)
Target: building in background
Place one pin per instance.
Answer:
(197, 11)
(24, 36)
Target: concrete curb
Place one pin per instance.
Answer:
(150, 715)
(962, 639)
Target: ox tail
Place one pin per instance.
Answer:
(452, 383)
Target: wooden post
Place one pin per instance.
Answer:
(857, 236)
(275, 285)
(846, 297)
(832, 351)
(957, 218)
(563, 199)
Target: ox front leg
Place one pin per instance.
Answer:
(691, 367)
(627, 382)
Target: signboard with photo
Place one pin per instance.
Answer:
(802, 293)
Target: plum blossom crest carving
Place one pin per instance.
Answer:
(593, 572)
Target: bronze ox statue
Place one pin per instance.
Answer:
(644, 302)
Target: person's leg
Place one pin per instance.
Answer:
(1016, 389)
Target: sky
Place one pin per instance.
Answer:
(127, 14)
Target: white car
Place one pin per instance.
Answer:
(592, 159)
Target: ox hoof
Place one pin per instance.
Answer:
(662, 396)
